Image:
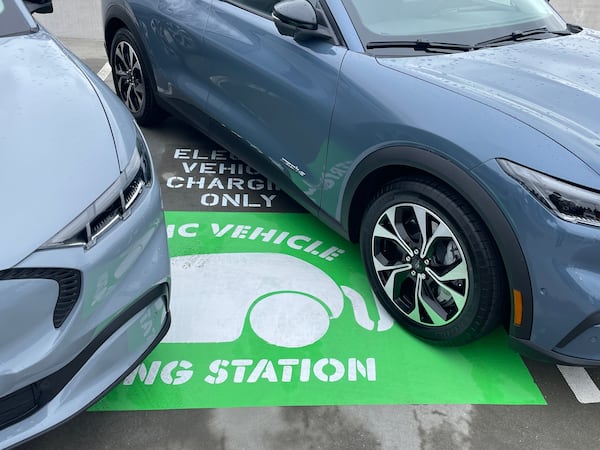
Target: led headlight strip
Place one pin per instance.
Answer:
(568, 201)
(113, 205)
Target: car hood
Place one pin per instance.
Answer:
(552, 85)
(57, 153)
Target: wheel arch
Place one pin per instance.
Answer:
(115, 19)
(387, 164)
(118, 18)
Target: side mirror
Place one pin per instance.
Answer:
(39, 6)
(297, 18)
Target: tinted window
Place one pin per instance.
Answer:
(458, 21)
(12, 20)
(263, 6)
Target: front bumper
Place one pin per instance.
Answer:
(564, 269)
(119, 348)
(530, 350)
(52, 367)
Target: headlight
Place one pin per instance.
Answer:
(569, 202)
(113, 205)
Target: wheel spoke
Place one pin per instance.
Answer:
(137, 67)
(393, 280)
(379, 267)
(389, 287)
(457, 273)
(131, 58)
(442, 231)
(120, 73)
(415, 314)
(459, 298)
(396, 269)
(139, 91)
(382, 232)
(385, 234)
(421, 216)
(122, 87)
(429, 305)
(129, 96)
(119, 57)
(138, 98)
(421, 300)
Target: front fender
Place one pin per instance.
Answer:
(394, 161)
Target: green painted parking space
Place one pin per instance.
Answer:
(273, 309)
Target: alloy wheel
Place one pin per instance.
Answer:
(129, 77)
(420, 264)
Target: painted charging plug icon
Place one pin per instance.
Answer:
(287, 301)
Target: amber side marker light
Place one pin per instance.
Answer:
(517, 308)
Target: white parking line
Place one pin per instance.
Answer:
(104, 72)
(581, 384)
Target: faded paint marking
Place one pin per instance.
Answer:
(581, 384)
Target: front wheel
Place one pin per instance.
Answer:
(432, 263)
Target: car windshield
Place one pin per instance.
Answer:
(463, 22)
(12, 20)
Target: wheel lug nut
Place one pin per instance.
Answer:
(413, 273)
(426, 262)
(407, 258)
(416, 251)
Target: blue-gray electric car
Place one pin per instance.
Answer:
(458, 141)
(84, 267)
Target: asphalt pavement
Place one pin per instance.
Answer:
(568, 421)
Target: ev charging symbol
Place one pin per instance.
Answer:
(289, 302)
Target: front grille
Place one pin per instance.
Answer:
(18, 405)
(69, 287)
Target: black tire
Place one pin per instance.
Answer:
(132, 78)
(453, 291)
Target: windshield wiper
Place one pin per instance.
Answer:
(423, 46)
(450, 47)
(520, 36)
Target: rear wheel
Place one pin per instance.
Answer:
(131, 76)
(432, 263)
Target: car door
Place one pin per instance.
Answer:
(273, 95)
(173, 34)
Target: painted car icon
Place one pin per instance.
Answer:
(286, 301)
